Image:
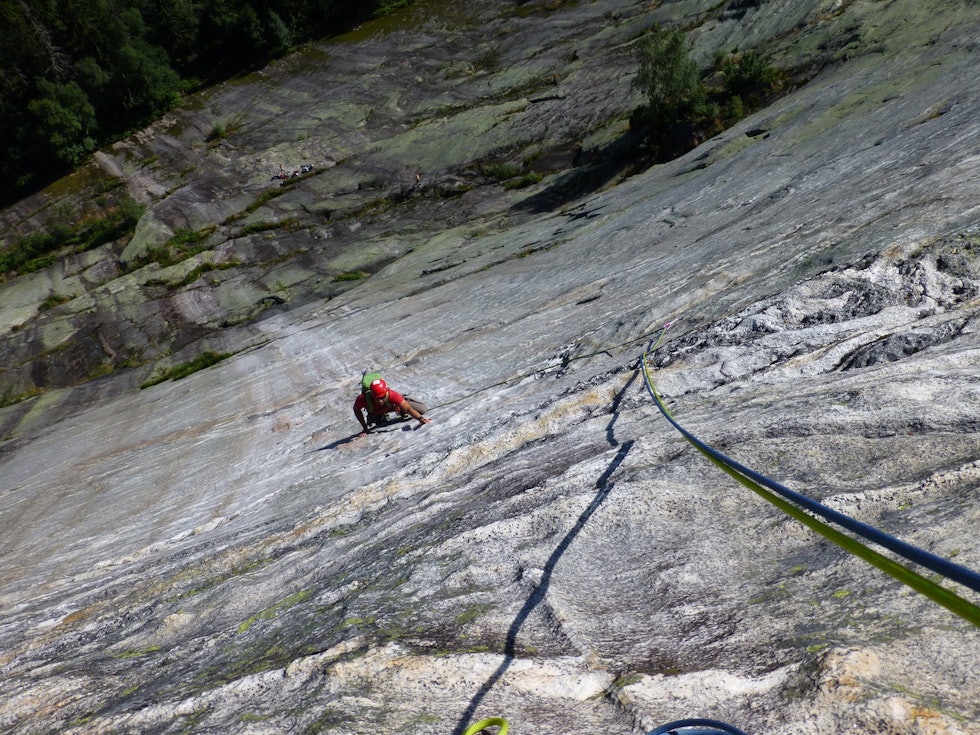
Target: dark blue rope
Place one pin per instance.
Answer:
(715, 728)
(948, 569)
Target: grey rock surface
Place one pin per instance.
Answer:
(220, 554)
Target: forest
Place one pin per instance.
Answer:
(77, 74)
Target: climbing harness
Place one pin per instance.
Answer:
(778, 495)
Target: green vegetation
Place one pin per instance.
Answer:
(181, 246)
(667, 76)
(203, 268)
(271, 612)
(686, 106)
(500, 171)
(134, 653)
(193, 274)
(39, 250)
(266, 196)
(8, 396)
(390, 6)
(254, 717)
(471, 613)
(750, 78)
(77, 75)
(626, 680)
(350, 276)
(52, 301)
(510, 174)
(202, 361)
(329, 720)
(521, 182)
(218, 133)
(357, 622)
(253, 228)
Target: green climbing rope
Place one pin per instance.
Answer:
(484, 724)
(777, 495)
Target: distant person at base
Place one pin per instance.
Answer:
(379, 401)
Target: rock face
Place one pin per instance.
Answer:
(219, 554)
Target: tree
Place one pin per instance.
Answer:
(173, 25)
(750, 76)
(64, 124)
(146, 84)
(667, 75)
(681, 111)
(75, 74)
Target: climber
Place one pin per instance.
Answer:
(378, 400)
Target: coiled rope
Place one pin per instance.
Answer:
(696, 727)
(779, 495)
(689, 727)
(483, 724)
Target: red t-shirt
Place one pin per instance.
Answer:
(375, 406)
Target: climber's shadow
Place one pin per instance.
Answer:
(603, 488)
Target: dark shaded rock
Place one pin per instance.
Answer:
(897, 346)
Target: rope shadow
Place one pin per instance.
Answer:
(603, 488)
